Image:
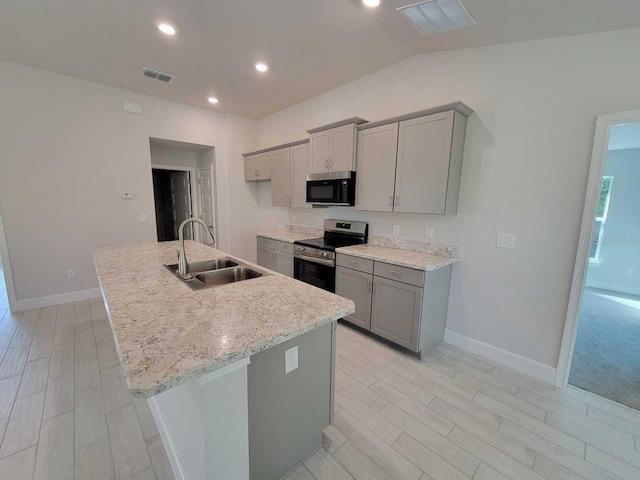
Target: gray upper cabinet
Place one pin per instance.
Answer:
(334, 149)
(422, 172)
(356, 286)
(300, 167)
(396, 312)
(419, 154)
(257, 167)
(281, 177)
(377, 149)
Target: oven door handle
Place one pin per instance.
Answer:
(329, 263)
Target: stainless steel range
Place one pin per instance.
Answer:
(315, 259)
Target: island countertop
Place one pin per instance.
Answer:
(167, 333)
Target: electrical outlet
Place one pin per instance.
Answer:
(506, 240)
(291, 359)
(71, 274)
(428, 233)
(143, 218)
(396, 229)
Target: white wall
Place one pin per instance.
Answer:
(173, 157)
(620, 249)
(528, 148)
(68, 151)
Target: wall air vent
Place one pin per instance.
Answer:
(435, 16)
(163, 77)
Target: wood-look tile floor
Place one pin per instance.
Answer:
(65, 411)
(457, 416)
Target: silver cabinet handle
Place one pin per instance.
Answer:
(397, 199)
(370, 285)
(395, 272)
(353, 262)
(390, 200)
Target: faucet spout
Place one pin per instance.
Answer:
(183, 265)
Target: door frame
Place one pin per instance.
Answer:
(194, 187)
(6, 268)
(596, 171)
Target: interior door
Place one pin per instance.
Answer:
(300, 167)
(181, 201)
(377, 149)
(207, 201)
(281, 177)
(424, 148)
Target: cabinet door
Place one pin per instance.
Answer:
(356, 286)
(424, 149)
(320, 151)
(284, 263)
(300, 167)
(281, 177)
(377, 149)
(251, 168)
(266, 257)
(264, 166)
(395, 313)
(343, 148)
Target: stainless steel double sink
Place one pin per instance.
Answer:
(214, 273)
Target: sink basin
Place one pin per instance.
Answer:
(205, 265)
(228, 275)
(213, 273)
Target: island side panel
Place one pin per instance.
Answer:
(287, 412)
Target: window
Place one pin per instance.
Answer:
(601, 217)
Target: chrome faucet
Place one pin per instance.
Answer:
(183, 266)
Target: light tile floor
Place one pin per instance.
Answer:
(65, 412)
(456, 416)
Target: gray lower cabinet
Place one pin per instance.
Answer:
(356, 286)
(396, 311)
(405, 306)
(284, 263)
(266, 257)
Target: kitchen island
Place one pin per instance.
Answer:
(212, 361)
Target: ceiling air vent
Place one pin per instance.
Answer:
(163, 77)
(435, 16)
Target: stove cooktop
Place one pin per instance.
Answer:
(329, 245)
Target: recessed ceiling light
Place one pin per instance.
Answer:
(167, 28)
(371, 3)
(262, 67)
(212, 100)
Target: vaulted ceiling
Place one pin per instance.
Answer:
(311, 46)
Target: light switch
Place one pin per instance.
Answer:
(143, 218)
(291, 359)
(506, 240)
(396, 229)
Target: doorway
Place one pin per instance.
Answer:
(605, 359)
(184, 187)
(173, 202)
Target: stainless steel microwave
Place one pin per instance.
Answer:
(332, 188)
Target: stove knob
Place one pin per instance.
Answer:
(325, 254)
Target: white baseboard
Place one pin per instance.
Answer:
(59, 299)
(508, 359)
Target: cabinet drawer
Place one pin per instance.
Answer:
(266, 242)
(355, 263)
(401, 274)
(284, 247)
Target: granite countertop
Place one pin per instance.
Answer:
(395, 256)
(167, 333)
(285, 235)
